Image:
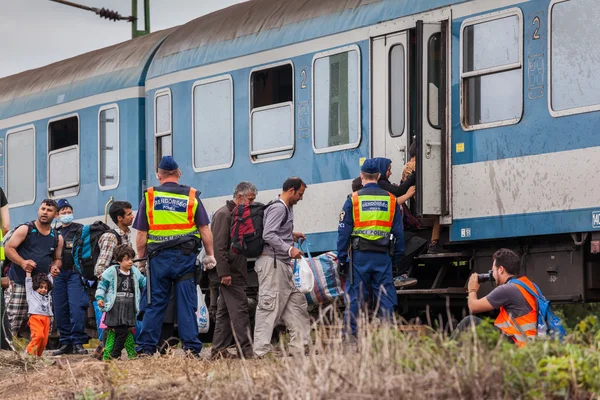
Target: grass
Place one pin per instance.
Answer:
(385, 362)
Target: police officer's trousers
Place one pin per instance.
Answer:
(371, 285)
(71, 303)
(279, 299)
(167, 266)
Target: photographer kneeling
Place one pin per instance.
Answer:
(518, 310)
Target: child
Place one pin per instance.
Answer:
(38, 299)
(118, 295)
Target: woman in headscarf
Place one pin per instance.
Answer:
(404, 191)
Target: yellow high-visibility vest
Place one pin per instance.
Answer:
(373, 215)
(170, 215)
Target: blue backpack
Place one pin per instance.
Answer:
(547, 322)
(86, 249)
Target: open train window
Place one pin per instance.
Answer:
(336, 100)
(213, 123)
(108, 147)
(163, 126)
(63, 157)
(272, 112)
(20, 166)
(574, 55)
(492, 70)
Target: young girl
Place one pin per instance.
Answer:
(38, 299)
(118, 295)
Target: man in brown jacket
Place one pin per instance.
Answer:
(233, 320)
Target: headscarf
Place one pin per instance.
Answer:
(383, 164)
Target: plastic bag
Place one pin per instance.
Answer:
(304, 279)
(202, 312)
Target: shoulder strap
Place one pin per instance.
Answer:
(524, 286)
(287, 212)
(114, 232)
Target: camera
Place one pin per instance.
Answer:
(486, 277)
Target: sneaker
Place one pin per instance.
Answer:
(78, 349)
(404, 281)
(64, 349)
(436, 249)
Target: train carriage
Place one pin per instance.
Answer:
(500, 96)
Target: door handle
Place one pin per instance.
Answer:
(429, 146)
(401, 149)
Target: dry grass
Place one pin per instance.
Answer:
(384, 363)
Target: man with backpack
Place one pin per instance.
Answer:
(171, 222)
(121, 214)
(33, 247)
(277, 296)
(69, 296)
(233, 321)
(519, 300)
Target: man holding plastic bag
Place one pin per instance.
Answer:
(277, 295)
(370, 237)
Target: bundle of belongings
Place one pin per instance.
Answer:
(328, 284)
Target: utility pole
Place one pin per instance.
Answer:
(115, 16)
(134, 26)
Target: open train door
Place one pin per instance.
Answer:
(431, 120)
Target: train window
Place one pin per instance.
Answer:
(108, 151)
(213, 124)
(20, 166)
(492, 70)
(434, 79)
(163, 144)
(63, 157)
(574, 57)
(336, 100)
(272, 112)
(397, 90)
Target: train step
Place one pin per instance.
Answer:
(443, 256)
(441, 291)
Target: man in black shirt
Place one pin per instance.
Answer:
(69, 295)
(34, 247)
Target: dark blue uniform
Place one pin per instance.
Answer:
(371, 274)
(69, 295)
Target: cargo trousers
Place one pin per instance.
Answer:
(279, 299)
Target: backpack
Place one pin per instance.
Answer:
(547, 322)
(86, 249)
(31, 228)
(247, 228)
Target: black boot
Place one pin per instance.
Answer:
(64, 349)
(78, 349)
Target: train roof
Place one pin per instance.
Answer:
(112, 68)
(260, 25)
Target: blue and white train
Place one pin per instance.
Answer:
(501, 96)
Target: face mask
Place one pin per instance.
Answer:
(66, 219)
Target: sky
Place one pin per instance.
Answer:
(39, 32)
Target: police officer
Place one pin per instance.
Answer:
(69, 295)
(171, 222)
(370, 237)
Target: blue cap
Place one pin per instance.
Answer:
(62, 203)
(370, 166)
(168, 163)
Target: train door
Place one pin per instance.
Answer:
(389, 104)
(409, 100)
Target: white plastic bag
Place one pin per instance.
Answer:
(202, 313)
(304, 279)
